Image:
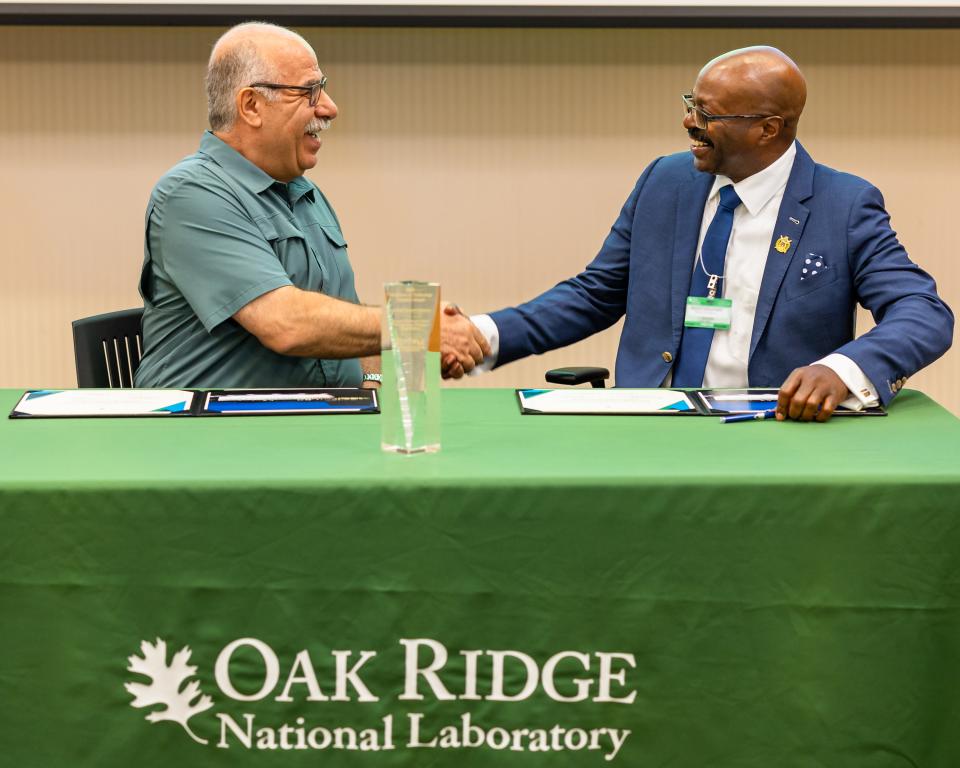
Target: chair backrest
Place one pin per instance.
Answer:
(108, 348)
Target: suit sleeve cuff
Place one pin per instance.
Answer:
(864, 394)
(488, 328)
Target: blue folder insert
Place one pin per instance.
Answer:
(290, 401)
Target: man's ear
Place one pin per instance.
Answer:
(249, 107)
(771, 128)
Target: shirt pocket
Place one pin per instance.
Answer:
(334, 235)
(332, 247)
(293, 252)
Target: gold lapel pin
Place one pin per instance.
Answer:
(783, 244)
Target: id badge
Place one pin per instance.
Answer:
(708, 313)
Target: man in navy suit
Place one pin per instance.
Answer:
(793, 250)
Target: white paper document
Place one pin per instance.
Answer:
(605, 401)
(103, 402)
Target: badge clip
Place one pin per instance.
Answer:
(712, 286)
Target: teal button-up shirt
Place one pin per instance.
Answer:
(219, 233)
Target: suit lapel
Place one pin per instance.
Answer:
(785, 243)
(691, 198)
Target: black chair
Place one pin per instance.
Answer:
(108, 348)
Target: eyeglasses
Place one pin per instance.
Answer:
(702, 118)
(313, 91)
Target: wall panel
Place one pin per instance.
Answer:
(492, 160)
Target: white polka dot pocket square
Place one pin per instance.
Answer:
(813, 266)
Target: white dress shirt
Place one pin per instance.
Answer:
(753, 224)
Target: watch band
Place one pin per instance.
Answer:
(373, 377)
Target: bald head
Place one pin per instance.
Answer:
(244, 54)
(764, 80)
(259, 33)
(747, 104)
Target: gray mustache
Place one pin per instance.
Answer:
(316, 125)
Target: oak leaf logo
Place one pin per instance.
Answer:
(164, 687)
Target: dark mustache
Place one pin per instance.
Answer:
(698, 135)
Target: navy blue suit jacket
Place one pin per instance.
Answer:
(643, 270)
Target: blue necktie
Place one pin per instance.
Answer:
(695, 343)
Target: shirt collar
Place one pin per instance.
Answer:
(298, 188)
(757, 190)
(251, 176)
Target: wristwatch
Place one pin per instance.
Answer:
(375, 377)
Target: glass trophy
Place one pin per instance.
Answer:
(410, 360)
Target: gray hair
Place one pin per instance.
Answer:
(235, 65)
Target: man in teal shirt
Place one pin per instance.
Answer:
(246, 280)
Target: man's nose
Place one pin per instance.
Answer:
(326, 107)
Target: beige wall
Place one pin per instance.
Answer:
(492, 160)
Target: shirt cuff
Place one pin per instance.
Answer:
(488, 328)
(864, 394)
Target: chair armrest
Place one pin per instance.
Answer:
(578, 375)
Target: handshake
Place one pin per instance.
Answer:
(462, 345)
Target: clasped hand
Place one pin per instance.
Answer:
(462, 346)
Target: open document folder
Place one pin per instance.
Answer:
(658, 402)
(721, 402)
(80, 403)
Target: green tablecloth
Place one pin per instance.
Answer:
(757, 594)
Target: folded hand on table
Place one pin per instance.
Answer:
(811, 393)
